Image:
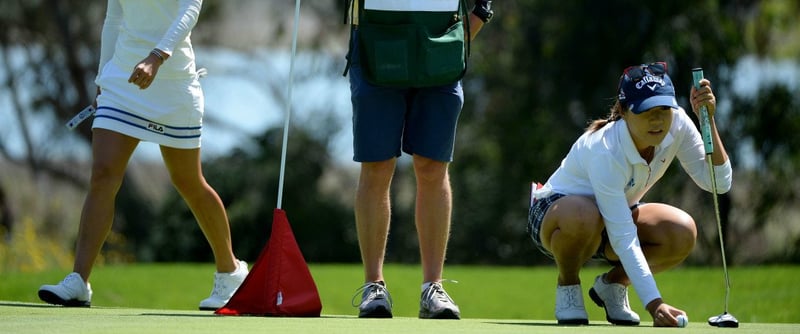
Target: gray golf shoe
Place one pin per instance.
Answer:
(436, 304)
(375, 301)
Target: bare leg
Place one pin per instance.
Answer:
(373, 212)
(571, 230)
(667, 235)
(433, 209)
(110, 154)
(186, 173)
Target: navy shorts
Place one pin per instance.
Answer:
(536, 216)
(386, 120)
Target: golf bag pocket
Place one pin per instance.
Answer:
(409, 50)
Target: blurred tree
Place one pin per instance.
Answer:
(247, 180)
(48, 57)
(771, 184)
(48, 60)
(541, 71)
(6, 215)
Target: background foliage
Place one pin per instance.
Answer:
(540, 71)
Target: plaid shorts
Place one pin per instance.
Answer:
(536, 216)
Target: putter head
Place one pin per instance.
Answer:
(724, 320)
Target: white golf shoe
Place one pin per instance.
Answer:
(225, 285)
(614, 298)
(570, 309)
(72, 291)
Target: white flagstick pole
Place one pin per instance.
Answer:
(288, 101)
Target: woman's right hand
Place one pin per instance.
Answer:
(145, 71)
(94, 103)
(664, 315)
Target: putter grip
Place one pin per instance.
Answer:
(705, 122)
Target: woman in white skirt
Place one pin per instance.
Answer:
(148, 91)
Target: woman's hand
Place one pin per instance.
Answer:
(703, 97)
(94, 102)
(663, 314)
(145, 71)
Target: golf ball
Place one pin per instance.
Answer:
(682, 320)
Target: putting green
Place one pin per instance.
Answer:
(26, 318)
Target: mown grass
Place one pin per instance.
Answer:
(20, 318)
(766, 294)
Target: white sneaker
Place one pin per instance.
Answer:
(570, 309)
(225, 285)
(614, 298)
(72, 291)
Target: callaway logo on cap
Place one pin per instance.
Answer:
(642, 87)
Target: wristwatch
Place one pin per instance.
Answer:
(483, 10)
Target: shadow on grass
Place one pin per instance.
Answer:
(164, 314)
(176, 315)
(20, 304)
(545, 324)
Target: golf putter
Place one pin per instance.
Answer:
(725, 319)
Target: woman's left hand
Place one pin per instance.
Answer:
(703, 97)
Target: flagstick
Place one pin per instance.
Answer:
(288, 102)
